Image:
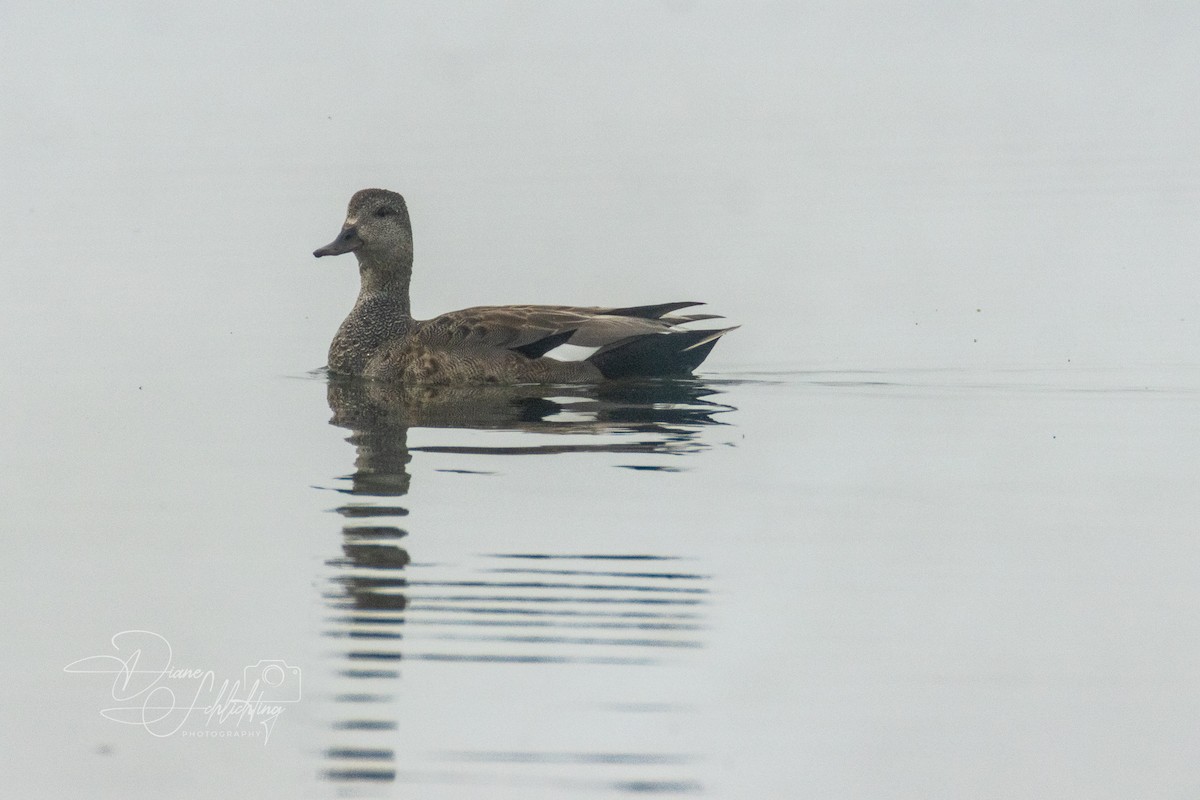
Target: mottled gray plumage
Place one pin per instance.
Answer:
(488, 344)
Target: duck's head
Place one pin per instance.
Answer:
(377, 229)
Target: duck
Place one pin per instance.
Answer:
(511, 344)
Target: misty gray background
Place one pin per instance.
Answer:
(923, 184)
(951, 523)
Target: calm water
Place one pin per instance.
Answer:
(892, 583)
(925, 525)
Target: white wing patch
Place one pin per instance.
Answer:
(571, 352)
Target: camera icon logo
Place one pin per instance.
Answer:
(272, 681)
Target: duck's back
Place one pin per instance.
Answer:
(508, 344)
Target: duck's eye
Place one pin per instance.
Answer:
(384, 211)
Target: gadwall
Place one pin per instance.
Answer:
(489, 344)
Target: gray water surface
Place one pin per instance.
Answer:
(895, 583)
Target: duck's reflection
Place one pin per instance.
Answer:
(583, 608)
(669, 413)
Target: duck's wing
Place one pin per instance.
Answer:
(535, 330)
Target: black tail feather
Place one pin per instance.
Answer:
(656, 354)
(649, 312)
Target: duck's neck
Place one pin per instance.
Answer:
(380, 315)
(385, 278)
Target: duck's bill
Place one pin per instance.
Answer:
(347, 241)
